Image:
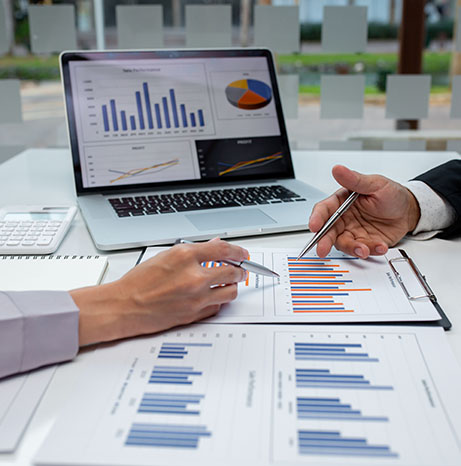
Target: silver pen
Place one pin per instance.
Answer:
(249, 266)
(330, 222)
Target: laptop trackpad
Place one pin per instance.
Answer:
(235, 219)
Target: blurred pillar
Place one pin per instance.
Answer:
(176, 12)
(99, 24)
(456, 57)
(411, 46)
(244, 21)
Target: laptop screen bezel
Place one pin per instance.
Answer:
(67, 57)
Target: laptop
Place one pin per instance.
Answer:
(180, 143)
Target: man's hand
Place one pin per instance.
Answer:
(168, 290)
(384, 213)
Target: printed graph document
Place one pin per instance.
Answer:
(265, 395)
(338, 288)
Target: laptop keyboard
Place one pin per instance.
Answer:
(202, 200)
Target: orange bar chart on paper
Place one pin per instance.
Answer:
(338, 288)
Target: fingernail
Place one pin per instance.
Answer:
(380, 249)
(358, 252)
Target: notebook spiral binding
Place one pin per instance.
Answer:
(12, 257)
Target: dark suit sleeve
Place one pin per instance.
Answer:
(445, 180)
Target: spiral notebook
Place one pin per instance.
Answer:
(55, 272)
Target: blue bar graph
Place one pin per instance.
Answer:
(200, 118)
(150, 122)
(332, 443)
(331, 409)
(105, 118)
(166, 112)
(174, 108)
(330, 352)
(140, 112)
(166, 435)
(322, 378)
(114, 114)
(183, 114)
(146, 111)
(174, 375)
(133, 122)
(178, 350)
(169, 403)
(124, 125)
(158, 116)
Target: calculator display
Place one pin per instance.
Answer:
(31, 216)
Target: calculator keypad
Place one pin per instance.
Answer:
(29, 234)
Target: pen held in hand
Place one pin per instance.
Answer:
(247, 265)
(329, 224)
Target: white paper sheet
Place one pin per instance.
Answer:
(260, 395)
(337, 289)
(19, 397)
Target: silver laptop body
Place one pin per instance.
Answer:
(180, 144)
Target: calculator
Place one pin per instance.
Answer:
(33, 229)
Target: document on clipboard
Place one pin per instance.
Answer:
(334, 289)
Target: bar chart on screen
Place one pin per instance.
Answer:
(135, 101)
(263, 395)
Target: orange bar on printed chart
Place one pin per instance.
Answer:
(319, 285)
(210, 264)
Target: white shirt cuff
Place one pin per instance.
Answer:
(436, 213)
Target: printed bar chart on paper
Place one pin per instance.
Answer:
(338, 288)
(253, 402)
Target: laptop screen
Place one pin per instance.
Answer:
(157, 119)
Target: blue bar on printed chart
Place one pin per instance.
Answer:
(158, 116)
(331, 409)
(183, 114)
(150, 121)
(330, 352)
(178, 350)
(200, 118)
(140, 112)
(166, 435)
(124, 125)
(174, 108)
(192, 120)
(114, 114)
(133, 122)
(174, 375)
(332, 443)
(169, 403)
(166, 112)
(105, 118)
(322, 378)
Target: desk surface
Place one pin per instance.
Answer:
(45, 176)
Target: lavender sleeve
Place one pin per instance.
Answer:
(36, 328)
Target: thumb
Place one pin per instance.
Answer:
(355, 181)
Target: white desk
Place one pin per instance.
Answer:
(45, 176)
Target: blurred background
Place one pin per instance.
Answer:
(334, 59)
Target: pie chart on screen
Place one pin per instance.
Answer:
(248, 94)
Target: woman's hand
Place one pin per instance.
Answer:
(168, 290)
